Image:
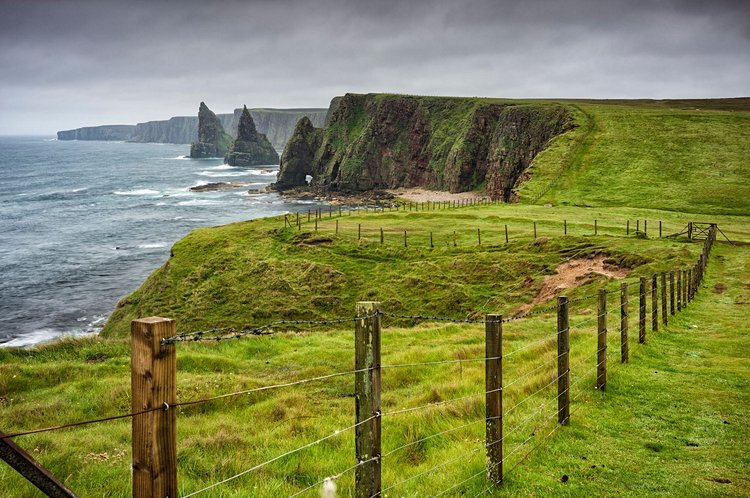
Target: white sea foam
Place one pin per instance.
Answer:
(140, 191)
(218, 174)
(263, 172)
(199, 202)
(155, 245)
(225, 166)
(179, 158)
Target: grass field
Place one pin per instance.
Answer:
(670, 423)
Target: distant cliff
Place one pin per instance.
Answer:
(106, 132)
(276, 124)
(378, 141)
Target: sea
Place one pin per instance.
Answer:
(82, 224)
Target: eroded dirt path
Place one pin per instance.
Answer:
(572, 274)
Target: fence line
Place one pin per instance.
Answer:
(160, 411)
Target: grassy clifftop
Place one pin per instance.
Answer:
(689, 156)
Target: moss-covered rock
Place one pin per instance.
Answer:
(212, 140)
(379, 141)
(250, 148)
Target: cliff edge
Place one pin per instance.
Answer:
(379, 141)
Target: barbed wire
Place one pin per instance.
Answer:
(279, 457)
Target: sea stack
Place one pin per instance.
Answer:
(298, 155)
(250, 148)
(212, 140)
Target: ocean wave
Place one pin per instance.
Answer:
(225, 166)
(178, 158)
(141, 191)
(155, 245)
(199, 202)
(263, 172)
(215, 174)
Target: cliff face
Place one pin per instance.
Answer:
(389, 141)
(177, 130)
(212, 140)
(250, 148)
(106, 132)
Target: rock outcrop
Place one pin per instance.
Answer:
(389, 141)
(250, 148)
(212, 140)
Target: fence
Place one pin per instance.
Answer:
(337, 221)
(568, 366)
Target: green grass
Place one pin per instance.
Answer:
(639, 438)
(692, 160)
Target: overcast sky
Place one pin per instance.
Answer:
(66, 64)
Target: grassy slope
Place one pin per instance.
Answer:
(632, 441)
(658, 156)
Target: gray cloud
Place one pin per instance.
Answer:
(74, 63)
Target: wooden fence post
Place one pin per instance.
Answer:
(624, 345)
(479, 237)
(627, 227)
(535, 229)
(671, 292)
(337, 227)
(684, 289)
(596, 228)
(645, 228)
(367, 398)
(637, 227)
(565, 227)
(679, 290)
(359, 231)
(691, 285)
(382, 238)
(654, 304)
(563, 361)
(664, 298)
(405, 238)
(154, 435)
(601, 336)
(431, 244)
(642, 312)
(506, 234)
(494, 397)
(659, 228)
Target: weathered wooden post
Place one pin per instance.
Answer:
(642, 312)
(494, 396)
(563, 361)
(479, 237)
(691, 285)
(684, 289)
(679, 290)
(431, 244)
(308, 215)
(671, 292)
(506, 234)
(405, 244)
(645, 228)
(316, 224)
(359, 231)
(535, 229)
(601, 336)
(664, 298)
(654, 304)
(382, 238)
(659, 228)
(624, 345)
(565, 227)
(627, 227)
(367, 398)
(153, 369)
(596, 228)
(690, 230)
(637, 227)
(29, 468)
